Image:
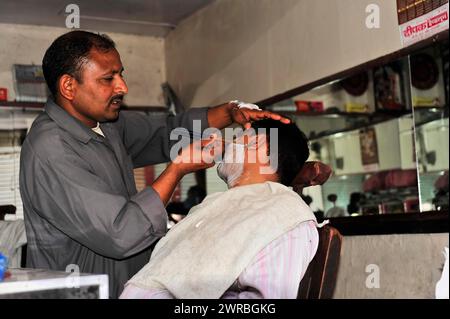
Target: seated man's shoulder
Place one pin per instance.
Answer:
(288, 195)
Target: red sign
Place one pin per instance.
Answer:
(3, 94)
(424, 26)
(437, 19)
(309, 106)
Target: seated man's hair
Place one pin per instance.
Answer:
(293, 148)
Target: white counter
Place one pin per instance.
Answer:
(27, 283)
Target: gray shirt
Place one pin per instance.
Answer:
(80, 201)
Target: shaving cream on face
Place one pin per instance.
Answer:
(232, 166)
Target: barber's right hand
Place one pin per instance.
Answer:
(195, 156)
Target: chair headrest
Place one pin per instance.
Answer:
(313, 173)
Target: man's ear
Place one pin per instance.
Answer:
(66, 86)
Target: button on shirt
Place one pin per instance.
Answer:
(81, 205)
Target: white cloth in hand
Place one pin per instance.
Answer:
(244, 105)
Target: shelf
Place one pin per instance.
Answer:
(431, 108)
(325, 114)
(425, 115)
(32, 105)
(405, 223)
(40, 106)
(334, 114)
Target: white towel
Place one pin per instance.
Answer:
(202, 256)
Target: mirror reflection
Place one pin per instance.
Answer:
(362, 127)
(429, 91)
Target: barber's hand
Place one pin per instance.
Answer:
(245, 116)
(194, 157)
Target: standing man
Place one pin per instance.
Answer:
(81, 205)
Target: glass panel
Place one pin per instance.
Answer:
(362, 127)
(14, 124)
(10, 141)
(429, 91)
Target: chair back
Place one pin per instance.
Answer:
(319, 280)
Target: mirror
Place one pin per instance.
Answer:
(361, 126)
(430, 93)
(383, 129)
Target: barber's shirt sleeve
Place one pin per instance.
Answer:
(276, 271)
(77, 202)
(147, 137)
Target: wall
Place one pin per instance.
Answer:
(255, 49)
(142, 57)
(409, 265)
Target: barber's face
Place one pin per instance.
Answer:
(98, 97)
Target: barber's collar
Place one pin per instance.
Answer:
(69, 123)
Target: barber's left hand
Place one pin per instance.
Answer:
(245, 116)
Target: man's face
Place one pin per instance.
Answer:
(248, 153)
(257, 157)
(256, 147)
(98, 97)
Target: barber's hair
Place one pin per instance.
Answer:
(293, 150)
(68, 54)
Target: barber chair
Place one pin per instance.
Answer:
(319, 280)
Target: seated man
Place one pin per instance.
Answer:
(254, 240)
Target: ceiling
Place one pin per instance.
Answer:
(142, 17)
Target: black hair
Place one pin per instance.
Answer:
(307, 199)
(293, 150)
(332, 197)
(195, 196)
(355, 202)
(68, 53)
(197, 192)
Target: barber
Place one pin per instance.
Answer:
(82, 210)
